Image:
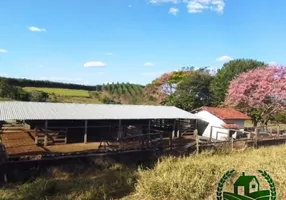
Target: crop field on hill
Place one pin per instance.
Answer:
(192, 177)
(60, 91)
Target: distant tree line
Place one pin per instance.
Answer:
(8, 91)
(49, 84)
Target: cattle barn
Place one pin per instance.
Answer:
(29, 128)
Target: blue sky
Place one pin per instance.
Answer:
(98, 41)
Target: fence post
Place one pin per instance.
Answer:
(256, 137)
(197, 141)
(231, 143)
(211, 134)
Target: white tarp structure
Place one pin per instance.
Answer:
(212, 126)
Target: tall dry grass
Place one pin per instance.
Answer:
(81, 184)
(196, 178)
(191, 178)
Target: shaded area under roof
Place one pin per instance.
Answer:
(70, 111)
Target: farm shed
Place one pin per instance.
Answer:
(216, 122)
(102, 126)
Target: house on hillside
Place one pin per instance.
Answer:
(220, 123)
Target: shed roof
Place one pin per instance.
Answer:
(70, 111)
(225, 113)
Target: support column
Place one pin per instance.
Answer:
(172, 135)
(119, 134)
(46, 132)
(149, 131)
(149, 126)
(174, 128)
(178, 129)
(36, 136)
(85, 131)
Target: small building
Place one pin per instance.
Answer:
(246, 185)
(220, 123)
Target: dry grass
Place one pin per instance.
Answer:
(197, 177)
(80, 184)
(192, 178)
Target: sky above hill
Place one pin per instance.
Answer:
(99, 41)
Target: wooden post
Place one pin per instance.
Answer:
(66, 138)
(211, 134)
(197, 141)
(178, 129)
(174, 128)
(170, 141)
(85, 131)
(256, 138)
(149, 131)
(231, 143)
(36, 136)
(171, 136)
(119, 134)
(46, 132)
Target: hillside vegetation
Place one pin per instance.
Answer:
(60, 91)
(33, 90)
(192, 178)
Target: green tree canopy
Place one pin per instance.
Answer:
(192, 91)
(38, 96)
(227, 73)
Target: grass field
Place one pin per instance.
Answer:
(60, 91)
(192, 178)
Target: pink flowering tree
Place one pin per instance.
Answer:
(261, 93)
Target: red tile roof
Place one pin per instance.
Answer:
(231, 126)
(226, 113)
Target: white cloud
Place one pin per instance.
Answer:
(272, 63)
(224, 59)
(148, 64)
(196, 6)
(94, 64)
(3, 51)
(108, 54)
(173, 11)
(36, 29)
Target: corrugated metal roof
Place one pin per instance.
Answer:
(70, 111)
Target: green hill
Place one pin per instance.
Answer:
(38, 90)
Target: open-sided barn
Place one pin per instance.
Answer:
(43, 126)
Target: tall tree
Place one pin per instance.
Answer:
(261, 93)
(227, 73)
(192, 91)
